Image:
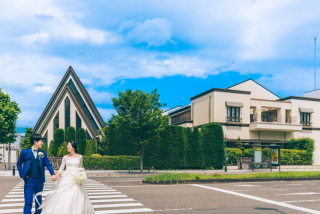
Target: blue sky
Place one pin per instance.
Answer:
(180, 47)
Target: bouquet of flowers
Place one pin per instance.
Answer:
(80, 177)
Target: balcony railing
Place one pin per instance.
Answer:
(305, 123)
(272, 119)
(234, 119)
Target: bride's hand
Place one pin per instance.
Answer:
(54, 178)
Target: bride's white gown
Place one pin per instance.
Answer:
(68, 197)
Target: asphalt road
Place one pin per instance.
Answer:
(224, 198)
(253, 197)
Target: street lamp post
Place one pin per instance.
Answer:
(225, 153)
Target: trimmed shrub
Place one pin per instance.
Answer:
(81, 141)
(218, 146)
(71, 134)
(90, 148)
(63, 150)
(43, 148)
(111, 162)
(195, 147)
(165, 149)
(304, 143)
(187, 147)
(112, 139)
(232, 155)
(58, 138)
(50, 150)
(208, 143)
(294, 157)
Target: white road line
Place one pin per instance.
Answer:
(108, 196)
(299, 201)
(287, 189)
(12, 205)
(246, 185)
(104, 193)
(118, 205)
(14, 211)
(17, 196)
(111, 200)
(294, 184)
(124, 211)
(99, 190)
(12, 200)
(260, 199)
(302, 193)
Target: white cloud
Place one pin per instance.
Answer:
(47, 89)
(100, 97)
(106, 113)
(155, 32)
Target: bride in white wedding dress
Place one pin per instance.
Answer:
(67, 196)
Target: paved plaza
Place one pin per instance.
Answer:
(127, 194)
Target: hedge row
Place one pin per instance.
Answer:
(183, 148)
(288, 156)
(110, 162)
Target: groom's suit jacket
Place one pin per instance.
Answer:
(25, 158)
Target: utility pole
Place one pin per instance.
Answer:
(315, 73)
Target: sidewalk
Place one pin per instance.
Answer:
(117, 173)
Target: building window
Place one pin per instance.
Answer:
(75, 90)
(233, 114)
(78, 122)
(305, 119)
(45, 139)
(88, 136)
(56, 122)
(67, 113)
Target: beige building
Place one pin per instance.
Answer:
(70, 105)
(255, 114)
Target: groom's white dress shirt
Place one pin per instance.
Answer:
(34, 153)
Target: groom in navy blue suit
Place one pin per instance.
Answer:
(33, 173)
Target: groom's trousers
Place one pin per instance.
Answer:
(31, 187)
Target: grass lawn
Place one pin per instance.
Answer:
(167, 176)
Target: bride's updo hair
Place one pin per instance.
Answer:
(74, 145)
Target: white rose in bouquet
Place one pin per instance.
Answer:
(80, 177)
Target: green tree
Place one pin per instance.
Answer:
(50, 150)
(71, 134)
(103, 144)
(9, 111)
(141, 111)
(195, 147)
(58, 138)
(93, 147)
(239, 144)
(81, 140)
(165, 149)
(187, 152)
(26, 142)
(43, 148)
(63, 150)
(208, 143)
(218, 143)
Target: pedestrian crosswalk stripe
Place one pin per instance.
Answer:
(124, 211)
(111, 200)
(118, 205)
(101, 196)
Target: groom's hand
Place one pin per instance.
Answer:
(54, 178)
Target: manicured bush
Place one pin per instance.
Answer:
(304, 143)
(71, 134)
(63, 150)
(90, 148)
(218, 146)
(232, 155)
(112, 139)
(151, 152)
(111, 162)
(58, 138)
(50, 150)
(208, 139)
(195, 147)
(43, 148)
(81, 141)
(177, 143)
(165, 149)
(294, 157)
(187, 153)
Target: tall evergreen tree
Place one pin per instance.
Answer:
(208, 143)
(26, 142)
(112, 139)
(165, 149)
(58, 138)
(177, 144)
(50, 150)
(218, 158)
(71, 134)
(187, 151)
(195, 147)
(103, 144)
(81, 140)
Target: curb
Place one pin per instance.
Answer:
(228, 180)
